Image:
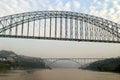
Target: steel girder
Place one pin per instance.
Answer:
(80, 61)
(10, 21)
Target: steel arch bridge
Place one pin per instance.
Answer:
(79, 61)
(59, 25)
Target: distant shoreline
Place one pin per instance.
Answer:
(107, 65)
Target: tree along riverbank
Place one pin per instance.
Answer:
(10, 60)
(107, 65)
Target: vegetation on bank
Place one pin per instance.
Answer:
(27, 63)
(107, 65)
(10, 60)
(4, 66)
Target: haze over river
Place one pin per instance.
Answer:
(58, 74)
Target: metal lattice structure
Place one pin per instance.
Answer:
(80, 61)
(59, 25)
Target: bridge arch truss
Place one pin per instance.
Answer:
(79, 61)
(59, 25)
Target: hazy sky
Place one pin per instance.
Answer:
(109, 9)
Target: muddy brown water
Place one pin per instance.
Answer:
(58, 74)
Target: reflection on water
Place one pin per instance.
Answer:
(58, 74)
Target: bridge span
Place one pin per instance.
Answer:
(59, 25)
(79, 61)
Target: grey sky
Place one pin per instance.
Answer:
(52, 48)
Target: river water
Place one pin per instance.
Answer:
(58, 74)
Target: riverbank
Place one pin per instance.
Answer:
(107, 65)
(9, 60)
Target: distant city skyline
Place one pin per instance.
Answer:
(108, 9)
